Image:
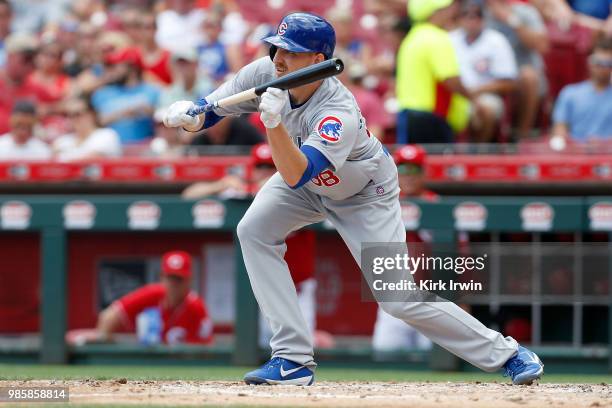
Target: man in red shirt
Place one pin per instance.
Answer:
(183, 315)
(20, 52)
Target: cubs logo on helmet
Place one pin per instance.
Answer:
(303, 32)
(282, 28)
(330, 129)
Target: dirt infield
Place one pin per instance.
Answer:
(331, 394)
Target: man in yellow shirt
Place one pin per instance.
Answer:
(433, 102)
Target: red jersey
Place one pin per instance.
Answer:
(9, 94)
(187, 323)
(158, 67)
(55, 91)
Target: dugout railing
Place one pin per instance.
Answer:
(50, 218)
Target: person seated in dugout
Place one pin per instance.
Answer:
(165, 312)
(410, 161)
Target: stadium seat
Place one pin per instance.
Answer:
(566, 62)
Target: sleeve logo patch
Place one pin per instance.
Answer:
(330, 129)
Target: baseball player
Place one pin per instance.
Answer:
(328, 167)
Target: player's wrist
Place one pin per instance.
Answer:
(270, 121)
(196, 125)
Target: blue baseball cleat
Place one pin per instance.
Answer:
(524, 368)
(279, 371)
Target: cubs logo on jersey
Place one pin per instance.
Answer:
(330, 129)
(282, 28)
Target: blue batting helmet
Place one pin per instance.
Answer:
(303, 32)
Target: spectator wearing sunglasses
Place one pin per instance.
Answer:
(87, 140)
(582, 111)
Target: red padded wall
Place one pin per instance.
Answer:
(19, 282)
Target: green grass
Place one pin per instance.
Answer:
(204, 373)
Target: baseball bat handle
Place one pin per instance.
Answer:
(199, 109)
(304, 76)
(300, 77)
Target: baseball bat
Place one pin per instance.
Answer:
(297, 78)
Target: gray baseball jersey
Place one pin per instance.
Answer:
(359, 196)
(329, 121)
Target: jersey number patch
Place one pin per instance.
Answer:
(326, 178)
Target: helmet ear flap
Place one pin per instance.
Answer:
(272, 51)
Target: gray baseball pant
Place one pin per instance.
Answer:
(278, 210)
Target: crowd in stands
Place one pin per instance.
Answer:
(81, 79)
